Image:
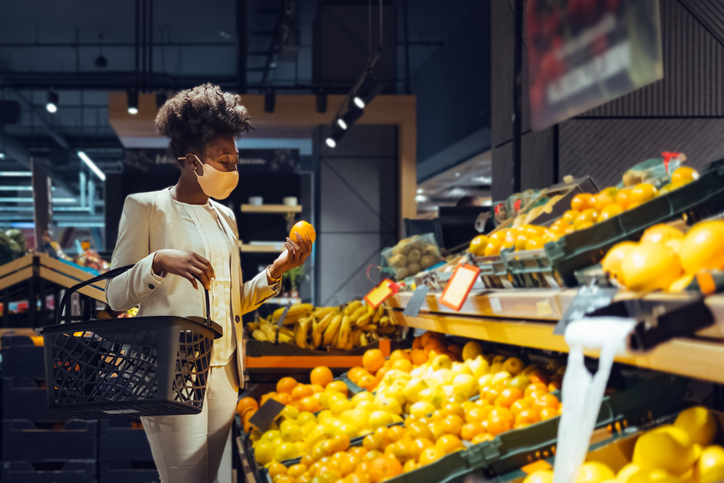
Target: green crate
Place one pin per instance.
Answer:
(530, 269)
(494, 272)
(560, 259)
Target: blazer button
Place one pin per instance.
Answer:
(150, 285)
(237, 318)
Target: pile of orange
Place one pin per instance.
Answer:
(392, 450)
(305, 397)
(665, 258)
(424, 348)
(588, 209)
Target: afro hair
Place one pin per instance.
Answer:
(194, 116)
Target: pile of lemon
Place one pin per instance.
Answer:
(674, 453)
(665, 258)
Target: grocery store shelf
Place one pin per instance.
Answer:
(538, 304)
(697, 358)
(271, 209)
(245, 248)
(542, 304)
(283, 300)
(56, 271)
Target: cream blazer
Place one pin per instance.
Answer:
(151, 222)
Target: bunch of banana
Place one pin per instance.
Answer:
(265, 330)
(330, 328)
(295, 313)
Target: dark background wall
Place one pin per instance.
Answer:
(453, 94)
(683, 112)
(357, 209)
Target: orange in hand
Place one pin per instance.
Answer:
(303, 228)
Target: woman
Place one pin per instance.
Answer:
(179, 238)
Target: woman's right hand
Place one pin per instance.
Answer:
(186, 264)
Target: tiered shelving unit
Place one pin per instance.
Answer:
(527, 318)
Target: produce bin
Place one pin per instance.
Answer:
(695, 201)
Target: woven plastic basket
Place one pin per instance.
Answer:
(142, 366)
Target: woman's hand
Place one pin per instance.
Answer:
(186, 264)
(294, 256)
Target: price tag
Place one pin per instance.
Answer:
(415, 303)
(588, 299)
(495, 304)
(459, 286)
(384, 290)
(280, 322)
(266, 414)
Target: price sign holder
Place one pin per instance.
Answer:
(384, 290)
(588, 299)
(416, 300)
(266, 414)
(459, 287)
(280, 322)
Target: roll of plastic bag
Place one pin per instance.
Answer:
(582, 392)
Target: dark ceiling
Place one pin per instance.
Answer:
(46, 43)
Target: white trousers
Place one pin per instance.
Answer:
(188, 449)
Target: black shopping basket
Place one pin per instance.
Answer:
(126, 368)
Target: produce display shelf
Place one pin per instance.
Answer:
(696, 358)
(538, 304)
(271, 209)
(43, 266)
(309, 361)
(543, 304)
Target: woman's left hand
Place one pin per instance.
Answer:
(294, 256)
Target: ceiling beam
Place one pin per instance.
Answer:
(15, 150)
(49, 128)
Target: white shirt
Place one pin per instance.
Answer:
(209, 240)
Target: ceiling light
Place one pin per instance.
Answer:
(2, 155)
(270, 97)
(367, 91)
(101, 62)
(16, 174)
(89, 162)
(336, 135)
(457, 174)
(421, 198)
(420, 191)
(52, 105)
(132, 97)
(350, 117)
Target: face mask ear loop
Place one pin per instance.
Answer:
(201, 165)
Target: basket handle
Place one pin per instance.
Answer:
(106, 276)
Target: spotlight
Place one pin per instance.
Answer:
(88, 161)
(336, 135)
(270, 98)
(321, 101)
(367, 91)
(132, 97)
(101, 62)
(349, 118)
(52, 105)
(161, 99)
